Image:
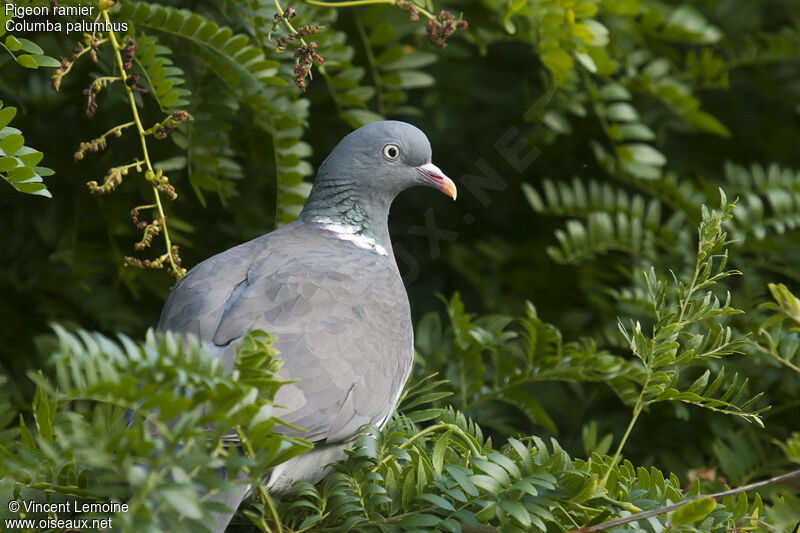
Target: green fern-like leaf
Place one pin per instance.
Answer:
(395, 67)
(233, 57)
(26, 53)
(164, 78)
(769, 199)
(18, 163)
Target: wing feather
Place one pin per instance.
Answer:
(340, 315)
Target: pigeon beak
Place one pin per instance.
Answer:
(435, 178)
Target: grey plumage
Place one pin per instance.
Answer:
(327, 286)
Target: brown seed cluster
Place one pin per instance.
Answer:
(146, 263)
(288, 14)
(132, 81)
(304, 57)
(91, 93)
(162, 130)
(167, 188)
(150, 231)
(301, 32)
(158, 263)
(140, 224)
(91, 99)
(161, 182)
(95, 145)
(442, 27)
(112, 180)
(413, 12)
(93, 44)
(129, 52)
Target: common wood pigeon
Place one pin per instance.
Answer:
(327, 286)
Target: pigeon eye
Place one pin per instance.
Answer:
(391, 152)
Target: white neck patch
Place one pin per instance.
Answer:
(352, 234)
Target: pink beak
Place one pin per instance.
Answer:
(436, 178)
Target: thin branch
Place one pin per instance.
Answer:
(668, 508)
(373, 65)
(777, 357)
(353, 3)
(134, 110)
(288, 24)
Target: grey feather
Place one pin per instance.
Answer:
(327, 286)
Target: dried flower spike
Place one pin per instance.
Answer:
(413, 12)
(301, 32)
(158, 263)
(162, 129)
(95, 145)
(140, 224)
(92, 45)
(304, 57)
(129, 52)
(442, 27)
(111, 182)
(132, 82)
(91, 93)
(150, 231)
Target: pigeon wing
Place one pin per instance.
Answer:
(343, 330)
(197, 302)
(340, 315)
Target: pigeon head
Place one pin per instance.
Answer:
(386, 157)
(357, 182)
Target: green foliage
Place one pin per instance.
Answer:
(491, 363)
(170, 451)
(232, 57)
(445, 477)
(779, 343)
(163, 78)
(25, 52)
(792, 447)
(17, 161)
(640, 111)
(394, 69)
(614, 220)
(675, 312)
(692, 512)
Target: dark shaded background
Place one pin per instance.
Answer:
(61, 259)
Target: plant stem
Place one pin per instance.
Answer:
(287, 23)
(777, 357)
(628, 506)
(636, 411)
(639, 406)
(353, 3)
(145, 154)
(431, 429)
(668, 508)
(79, 54)
(267, 501)
(685, 302)
(373, 66)
(116, 129)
